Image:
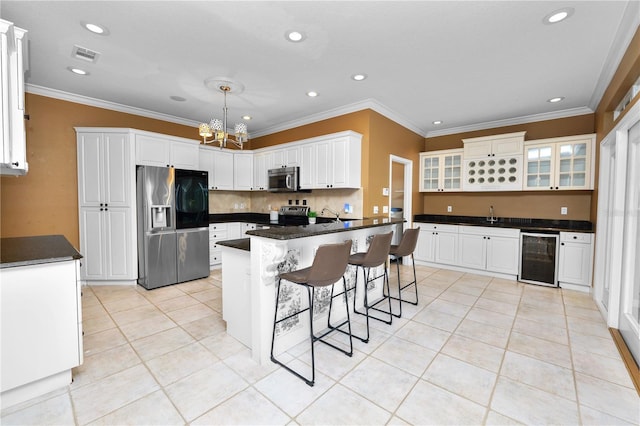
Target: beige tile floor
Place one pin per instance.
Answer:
(475, 351)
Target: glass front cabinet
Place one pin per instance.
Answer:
(441, 171)
(559, 164)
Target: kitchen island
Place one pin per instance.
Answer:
(41, 317)
(250, 273)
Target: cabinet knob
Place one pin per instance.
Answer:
(561, 244)
(557, 187)
(15, 164)
(575, 238)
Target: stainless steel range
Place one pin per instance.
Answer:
(293, 215)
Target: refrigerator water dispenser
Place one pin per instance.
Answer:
(160, 216)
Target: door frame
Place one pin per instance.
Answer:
(407, 205)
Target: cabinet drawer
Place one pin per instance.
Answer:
(218, 235)
(217, 227)
(575, 237)
(437, 227)
(215, 256)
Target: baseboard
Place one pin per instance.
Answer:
(627, 358)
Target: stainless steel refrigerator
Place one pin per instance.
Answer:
(173, 225)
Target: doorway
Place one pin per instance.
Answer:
(400, 192)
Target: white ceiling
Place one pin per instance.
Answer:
(471, 64)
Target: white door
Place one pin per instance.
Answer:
(629, 304)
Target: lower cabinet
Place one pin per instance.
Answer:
(222, 232)
(437, 243)
(489, 249)
(575, 260)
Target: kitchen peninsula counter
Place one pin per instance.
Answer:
(250, 272)
(24, 251)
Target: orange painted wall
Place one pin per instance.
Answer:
(45, 200)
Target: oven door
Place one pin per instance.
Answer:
(192, 199)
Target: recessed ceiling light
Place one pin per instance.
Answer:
(312, 94)
(177, 98)
(78, 71)
(554, 100)
(359, 77)
(437, 122)
(558, 15)
(294, 36)
(246, 117)
(95, 28)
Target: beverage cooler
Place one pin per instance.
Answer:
(539, 258)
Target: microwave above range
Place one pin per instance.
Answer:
(284, 179)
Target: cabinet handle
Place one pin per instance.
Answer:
(15, 164)
(561, 244)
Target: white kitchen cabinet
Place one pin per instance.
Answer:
(243, 171)
(41, 329)
(159, 150)
(221, 232)
(13, 141)
(261, 165)
(441, 170)
(489, 249)
(106, 199)
(219, 165)
(437, 243)
(565, 163)
(285, 157)
(332, 161)
(494, 146)
(575, 260)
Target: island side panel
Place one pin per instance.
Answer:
(269, 257)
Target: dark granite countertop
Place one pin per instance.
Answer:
(302, 231)
(538, 225)
(258, 218)
(240, 244)
(25, 251)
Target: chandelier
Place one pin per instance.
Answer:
(216, 128)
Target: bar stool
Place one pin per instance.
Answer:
(406, 248)
(376, 256)
(329, 265)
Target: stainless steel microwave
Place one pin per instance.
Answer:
(284, 179)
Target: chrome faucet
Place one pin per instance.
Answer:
(332, 212)
(492, 218)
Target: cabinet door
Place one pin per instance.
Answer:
(324, 165)
(340, 155)
(223, 170)
(308, 166)
(429, 173)
(574, 263)
(119, 244)
(472, 251)
(205, 162)
(243, 172)
(446, 248)
(90, 163)
(573, 164)
(117, 170)
(184, 155)
(152, 151)
(451, 172)
(539, 167)
(292, 156)
(92, 243)
(502, 254)
(260, 171)
(425, 247)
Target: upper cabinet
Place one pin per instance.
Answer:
(332, 161)
(565, 163)
(261, 164)
(219, 164)
(166, 151)
(13, 155)
(285, 157)
(441, 170)
(494, 163)
(243, 171)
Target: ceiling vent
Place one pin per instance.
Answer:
(85, 54)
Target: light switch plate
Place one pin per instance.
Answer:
(385, 209)
(385, 192)
(375, 210)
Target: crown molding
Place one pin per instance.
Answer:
(336, 112)
(85, 100)
(512, 121)
(627, 29)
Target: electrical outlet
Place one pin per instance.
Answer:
(375, 209)
(563, 210)
(449, 209)
(385, 209)
(385, 192)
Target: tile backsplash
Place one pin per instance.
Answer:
(262, 202)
